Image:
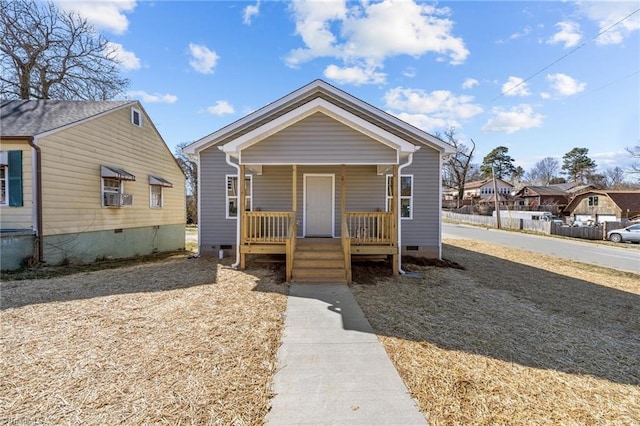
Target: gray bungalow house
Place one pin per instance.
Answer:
(323, 177)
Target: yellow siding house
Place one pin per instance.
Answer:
(83, 180)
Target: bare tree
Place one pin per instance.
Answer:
(190, 168)
(458, 165)
(635, 165)
(51, 54)
(544, 171)
(614, 177)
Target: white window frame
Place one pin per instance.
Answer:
(105, 191)
(228, 197)
(135, 111)
(402, 197)
(151, 204)
(4, 183)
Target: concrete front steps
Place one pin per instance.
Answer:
(319, 261)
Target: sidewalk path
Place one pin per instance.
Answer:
(332, 370)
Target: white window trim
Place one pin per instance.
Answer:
(227, 197)
(410, 198)
(135, 111)
(6, 185)
(151, 197)
(102, 192)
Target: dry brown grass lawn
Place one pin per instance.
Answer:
(175, 342)
(517, 338)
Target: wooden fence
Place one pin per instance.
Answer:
(583, 232)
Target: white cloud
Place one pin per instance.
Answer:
(250, 12)
(105, 15)
(221, 108)
(371, 32)
(608, 13)
(515, 86)
(427, 123)
(354, 75)
(569, 34)
(202, 60)
(151, 98)
(430, 111)
(128, 60)
(470, 83)
(517, 118)
(526, 31)
(563, 85)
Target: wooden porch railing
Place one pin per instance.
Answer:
(267, 227)
(369, 227)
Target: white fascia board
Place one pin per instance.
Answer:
(306, 110)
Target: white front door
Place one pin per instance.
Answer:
(318, 205)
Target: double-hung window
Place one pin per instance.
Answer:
(406, 195)
(156, 191)
(155, 196)
(233, 194)
(113, 194)
(593, 201)
(111, 190)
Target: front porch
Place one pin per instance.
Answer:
(311, 259)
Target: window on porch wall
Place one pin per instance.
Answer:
(233, 193)
(406, 195)
(3, 185)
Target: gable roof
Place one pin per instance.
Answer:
(480, 183)
(625, 200)
(34, 117)
(535, 190)
(343, 101)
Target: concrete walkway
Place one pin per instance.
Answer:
(332, 370)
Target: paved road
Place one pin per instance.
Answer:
(624, 259)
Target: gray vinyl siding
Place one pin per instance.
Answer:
(272, 190)
(424, 229)
(215, 229)
(365, 192)
(319, 139)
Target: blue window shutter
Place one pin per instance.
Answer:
(15, 178)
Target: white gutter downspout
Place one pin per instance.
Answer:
(237, 167)
(408, 163)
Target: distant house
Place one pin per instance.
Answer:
(604, 206)
(319, 176)
(86, 180)
(483, 189)
(534, 197)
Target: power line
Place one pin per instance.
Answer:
(567, 54)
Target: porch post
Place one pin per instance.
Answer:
(241, 208)
(294, 189)
(343, 191)
(395, 207)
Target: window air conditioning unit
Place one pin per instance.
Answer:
(126, 200)
(115, 199)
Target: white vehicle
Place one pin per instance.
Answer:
(529, 215)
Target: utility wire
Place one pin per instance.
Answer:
(565, 55)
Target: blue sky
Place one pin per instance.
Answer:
(532, 76)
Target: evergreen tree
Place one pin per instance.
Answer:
(577, 165)
(498, 160)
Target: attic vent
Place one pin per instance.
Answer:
(136, 117)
